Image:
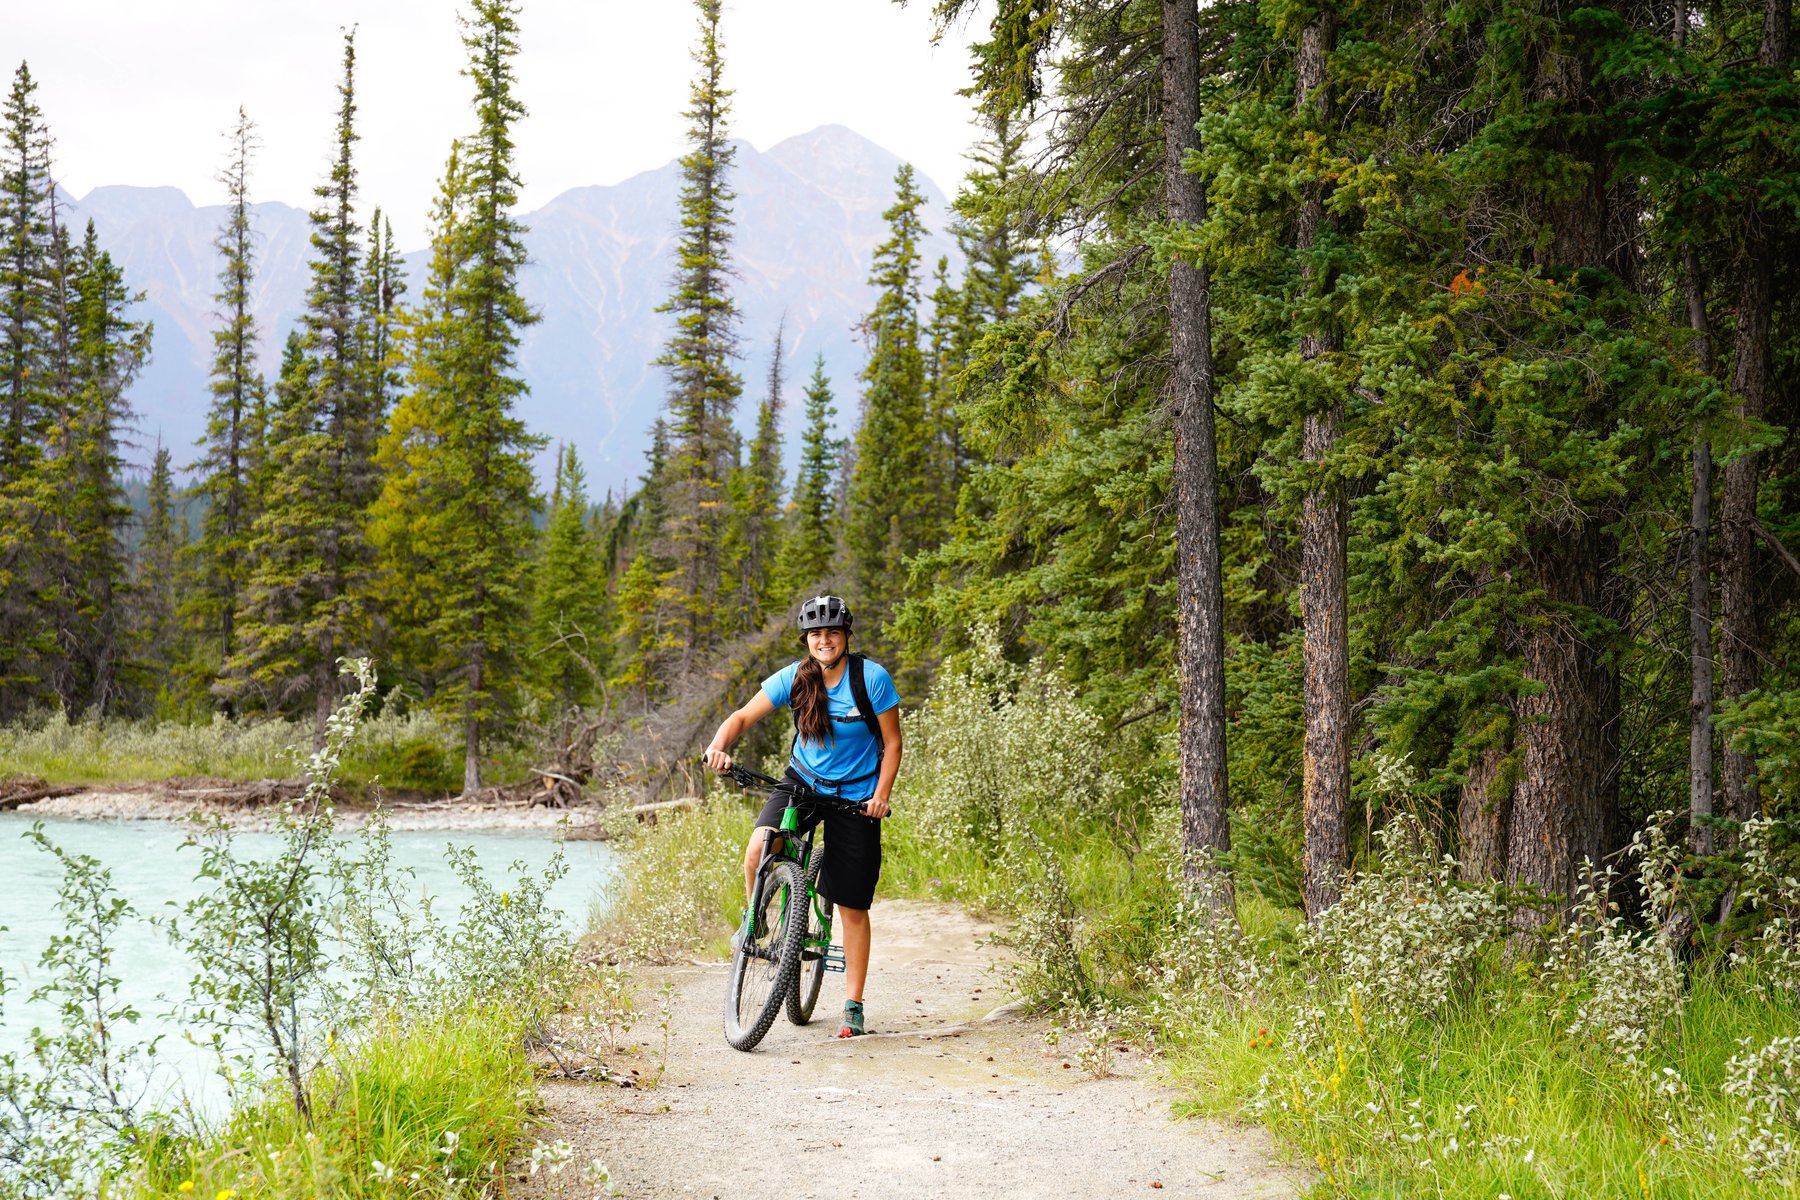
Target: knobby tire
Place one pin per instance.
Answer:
(804, 995)
(761, 982)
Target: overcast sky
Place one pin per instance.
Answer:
(141, 91)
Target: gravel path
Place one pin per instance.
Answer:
(986, 1113)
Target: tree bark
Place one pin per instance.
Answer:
(1484, 815)
(1200, 597)
(1740, 634)
(1700, 663)
(1564, 807)
(1324, 587)
(472, 722)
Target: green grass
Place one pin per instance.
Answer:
(684, 883)
(390, 1099)
(1505, 1102)
(412, 752)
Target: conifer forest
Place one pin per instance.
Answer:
(1367, 414)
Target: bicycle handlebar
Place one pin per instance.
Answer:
(744, 777)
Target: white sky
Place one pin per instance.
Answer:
(142, 91)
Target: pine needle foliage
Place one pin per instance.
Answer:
(703, 386)
(306, 598)
(218, 558)
(892, 499)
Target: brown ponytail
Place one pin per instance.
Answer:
(812, 711)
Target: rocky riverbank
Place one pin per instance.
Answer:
(253, 805)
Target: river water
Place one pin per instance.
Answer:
(152, 871)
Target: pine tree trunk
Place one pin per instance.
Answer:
(1565, 808)
(1565, 805)
(1484, 816)
(1740, 634)
(1700, 662)
(1324, 589)
(322, 697)
(1200, 601)
(472, 723)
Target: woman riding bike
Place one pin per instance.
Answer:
(840, 749)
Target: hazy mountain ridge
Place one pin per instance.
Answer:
(807, 220)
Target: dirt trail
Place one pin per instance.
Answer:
(986, 1114)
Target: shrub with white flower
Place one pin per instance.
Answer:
(1408, 934)
(1766, 1082)
(997, 743)
(1773, 893)
(1622, 983)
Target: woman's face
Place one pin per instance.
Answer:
(826, 645)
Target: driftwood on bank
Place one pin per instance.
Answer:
(14, 792)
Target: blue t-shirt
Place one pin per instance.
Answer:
(852, 751)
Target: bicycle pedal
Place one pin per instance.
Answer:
(834, 959)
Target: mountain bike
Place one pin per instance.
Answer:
(784, 948)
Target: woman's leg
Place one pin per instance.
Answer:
(856, 950)
(753, 856)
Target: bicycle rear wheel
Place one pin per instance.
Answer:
(804, 995)
(763, 967)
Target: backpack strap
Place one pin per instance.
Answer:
(865, 708)
(859, 688)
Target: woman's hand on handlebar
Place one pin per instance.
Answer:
(717, 759)
(876, 807)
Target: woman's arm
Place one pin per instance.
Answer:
(733, 728)
(890, 762)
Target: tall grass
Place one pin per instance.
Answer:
(433, 1108)
(684, 883)
(415, 751)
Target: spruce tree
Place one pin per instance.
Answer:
(460, 476)
(893, 501)
(80, 484)
(703, 388)
(383, 286)
(413, 476)
(305, 600)
(807, 560)
(569, 640)
(28, 320)
(755, 494)
(157, 636)
(218, 558)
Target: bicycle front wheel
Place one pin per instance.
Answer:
(807, 980)
(768, 956)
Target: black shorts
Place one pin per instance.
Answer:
(853, 864)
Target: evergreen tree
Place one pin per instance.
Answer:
(755, 494)
(703, 388)
(893, 498)
(413, 475)
(80, 487)
(157, 635)
(646, 643)
(569, 638)
(28, 320)
(305, 600)
(461, 474)
(947, 344)
(384, 284)
(219, 557)
(807, 560)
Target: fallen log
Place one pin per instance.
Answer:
(12, 799)
(657, 806)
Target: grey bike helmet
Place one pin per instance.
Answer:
(825, 612)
